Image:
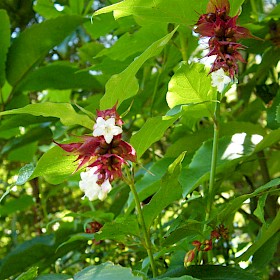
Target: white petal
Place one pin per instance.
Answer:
(111, 122)
(108, 137)
(116, 130)
(98, 131)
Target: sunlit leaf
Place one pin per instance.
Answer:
(191, 86)
(64, 111)
(31, 273)
(151, 132)
(176, 11)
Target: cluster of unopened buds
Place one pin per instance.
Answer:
(224, 34)
(220, 232)
(103, 154)
(94, 227)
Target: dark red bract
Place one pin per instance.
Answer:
(94, 151)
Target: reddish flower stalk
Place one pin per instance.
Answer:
(224, 34)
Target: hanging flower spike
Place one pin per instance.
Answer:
(104, 154)
(223, 33)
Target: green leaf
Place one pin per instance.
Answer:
(185, 277)
(265, 254)
(101, 25)
(266, 234)
(5, 42)
(193, 141)
(176, 11)
(59, 75)
(46, 9)
(18, 204)
(124, 85)
(191, 85)
(77, 237)
(232, 206)
(150, 182)
(106, 271)
(119, 229)
(63, 111)
(191, 228)
(235, 7)
(24, 55)
(30, 274)
(129, 44)
(278, 114)
(151, 132)
(218, 272)
(54, 277)
(272, 138)
(24, 174)
(259, 211)
(231, 151)
(55, 166)
(30, 136)
(169, 191)
(26, 254)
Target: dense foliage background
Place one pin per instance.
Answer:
(59, 62)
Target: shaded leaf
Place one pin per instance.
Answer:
(217, 272)
(76, 237)
(24, 54)
(119, 229)
(124, 85)
(5, 42)
(106, 271)
(26, 254)
(231, 151)
(266, 234)
(170, 190)
(59, 76)
(16, 204)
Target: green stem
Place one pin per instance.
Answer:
(147, 239)
(211, 192)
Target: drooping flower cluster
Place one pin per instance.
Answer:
(224, 34)
(103, 154)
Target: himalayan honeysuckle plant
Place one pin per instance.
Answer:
(140, 139)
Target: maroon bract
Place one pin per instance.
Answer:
(107, 158)
(223, 33)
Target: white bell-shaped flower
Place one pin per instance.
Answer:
(106, 128)
(91, 188)
(220, 79)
